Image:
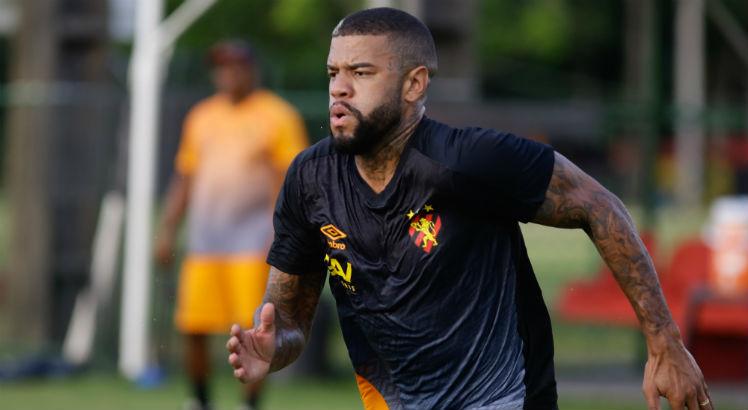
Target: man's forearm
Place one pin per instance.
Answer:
(289, 338)
(614, 234)
(289, 343)
(175, 206)
(295, 298)
(575, 200)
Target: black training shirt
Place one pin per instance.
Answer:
(437, 301)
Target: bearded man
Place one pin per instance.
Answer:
(416, 224)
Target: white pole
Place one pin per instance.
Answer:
(730, 28)
(81, 332)
(144, 104)
(180, 20)
(152, 41)
(689, 100)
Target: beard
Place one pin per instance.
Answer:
(370, 131)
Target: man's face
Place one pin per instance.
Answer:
(232, 78)
(365, 92)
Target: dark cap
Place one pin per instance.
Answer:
(231, 51)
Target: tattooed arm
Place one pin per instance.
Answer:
(575, 200)
(282, 326)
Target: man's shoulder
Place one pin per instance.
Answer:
(452, 146)
(481, 153)
(316, 155)
(206, 106)
(276, 104)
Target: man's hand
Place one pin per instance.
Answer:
(251, 351)
(672, 372)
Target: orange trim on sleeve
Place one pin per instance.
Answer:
(370, 396)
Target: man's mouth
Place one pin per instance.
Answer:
(338, 115)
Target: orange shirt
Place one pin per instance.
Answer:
(236, 155)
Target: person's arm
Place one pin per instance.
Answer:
(576, 200)
(175, 206)
(282, 326)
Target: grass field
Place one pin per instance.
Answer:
(112, 393)
(557, 255)
(108, 392)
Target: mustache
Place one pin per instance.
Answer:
(356, 113)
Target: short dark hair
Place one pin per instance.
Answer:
(231, 51)
(410, 38)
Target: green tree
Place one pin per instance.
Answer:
(292, 37)
(549, 48)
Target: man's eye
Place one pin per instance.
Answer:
(360, 73)
(331, 74)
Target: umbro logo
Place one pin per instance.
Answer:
(334, 234)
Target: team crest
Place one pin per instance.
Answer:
(424, 228)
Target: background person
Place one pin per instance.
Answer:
(234, 151)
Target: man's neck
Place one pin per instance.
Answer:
(240, 95)
(378, 168)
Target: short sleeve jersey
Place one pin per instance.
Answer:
(236, 155)
(437, 300)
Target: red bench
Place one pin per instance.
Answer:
(599, 300)
(716, 332)
(714, 327)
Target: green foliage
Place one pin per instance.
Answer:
(292, 36)
(290, 17)
(532, 48)
(547, 48)
(539, 29)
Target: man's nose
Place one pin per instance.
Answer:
(340, 87)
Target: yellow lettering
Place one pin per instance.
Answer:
(347, 276)
(336, 245)
(335, 269)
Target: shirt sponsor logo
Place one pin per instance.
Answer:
(424, 227)
(334, 234)
(335, 268)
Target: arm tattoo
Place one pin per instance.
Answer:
(576, 200)
(295, 298)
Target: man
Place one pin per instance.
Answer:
(235, 149)
(416, 224)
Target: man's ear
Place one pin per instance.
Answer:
(416, 83)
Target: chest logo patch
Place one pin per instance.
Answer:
(333, 234)
(424, 228)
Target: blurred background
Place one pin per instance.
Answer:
(650, 97)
